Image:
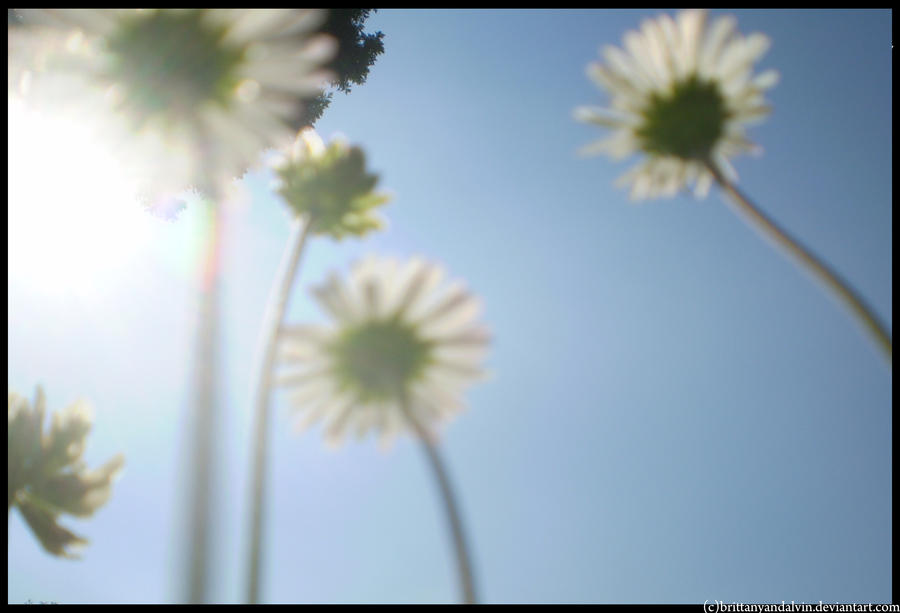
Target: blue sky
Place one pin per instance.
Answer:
(676, 412)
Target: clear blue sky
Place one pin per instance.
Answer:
(677, 413)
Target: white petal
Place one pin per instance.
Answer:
(766, 79)
(336, 429)
(645, 64)
(421, 283)
(607, 118)
(304, 377)
(704, 182)
(721, 30)
(250, 25)
(458, 307)
(740, 55)
(627, 72)
(691, 24)
(618, 146)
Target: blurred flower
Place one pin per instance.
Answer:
(682, 94)
(329, 192)
(46, 474)
(331, 185)
(400, 342)
(203, 91)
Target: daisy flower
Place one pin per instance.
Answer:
(330, 185)
(401, 350)
(330, 192)
(47, 476)
(203, 91)
(681, 93)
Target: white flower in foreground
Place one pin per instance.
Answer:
(682, 94)
(203, 91)
(47, 474)
(401, 341)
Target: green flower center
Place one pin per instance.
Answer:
(376, 359)
(334, 190)
(685, 122)
(172, 62)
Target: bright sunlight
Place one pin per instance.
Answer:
(74, 222)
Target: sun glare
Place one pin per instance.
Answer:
(74, 220)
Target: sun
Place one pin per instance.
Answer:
(74, 221)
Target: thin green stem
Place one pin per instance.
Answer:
(862, 311)
(277, 306)
(467, 582)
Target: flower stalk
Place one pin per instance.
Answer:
(277, 308)
(204, 420)
(812, 263)
(401, 349)
(463, 563)
(329, 192)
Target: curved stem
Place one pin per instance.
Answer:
(815, 265)
(459, 541)
(276, 308)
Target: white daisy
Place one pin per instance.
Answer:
(47, 473)
(203, 91)
(403, 346)
(682, 94)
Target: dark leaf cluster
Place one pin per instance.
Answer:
(357, 52)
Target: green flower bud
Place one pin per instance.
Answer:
(330, 185)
